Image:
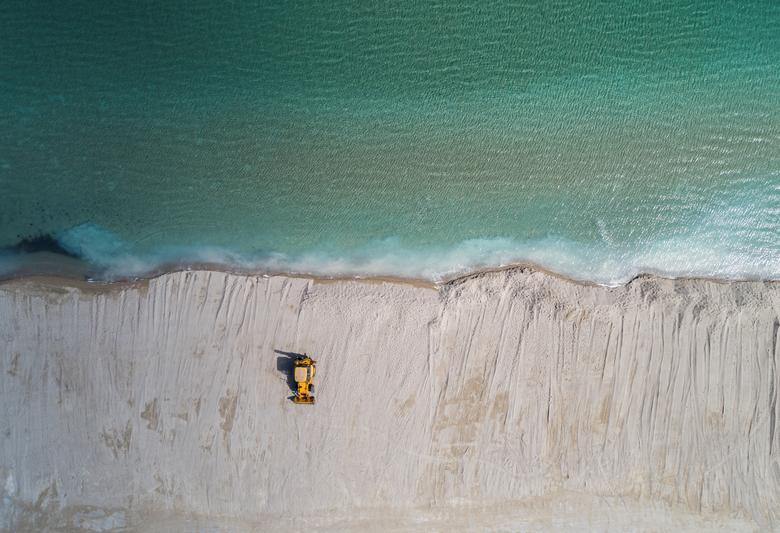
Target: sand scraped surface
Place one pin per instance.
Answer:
(503, 401)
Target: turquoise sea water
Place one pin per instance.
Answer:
(598, 139)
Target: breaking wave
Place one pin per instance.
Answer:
(699, 254)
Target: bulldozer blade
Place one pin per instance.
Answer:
(306, 401)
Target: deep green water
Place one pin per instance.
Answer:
(597, 139)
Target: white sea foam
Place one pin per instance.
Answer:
(701, 253)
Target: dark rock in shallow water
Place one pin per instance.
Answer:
(39, 243)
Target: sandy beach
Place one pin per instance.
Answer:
(501, 400)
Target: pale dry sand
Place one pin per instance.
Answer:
(508, 400)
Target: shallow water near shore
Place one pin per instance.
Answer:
(417, 141)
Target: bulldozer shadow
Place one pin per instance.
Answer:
(285, 364)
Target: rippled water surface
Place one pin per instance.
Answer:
(407, 138)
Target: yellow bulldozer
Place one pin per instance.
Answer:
(305, 368)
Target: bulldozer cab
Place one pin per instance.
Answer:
(304, 373)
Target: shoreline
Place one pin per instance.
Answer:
(75, 274)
